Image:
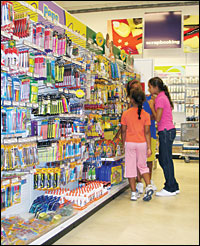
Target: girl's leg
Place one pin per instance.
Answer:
(132, 184)
(146, 177)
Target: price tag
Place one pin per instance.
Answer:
(66, 91)
(36, 75)
(48, 84)
(15, 180)
(5, 68)
(39, 138)
(11, 140)
(54, 103)
(62, 166)
(14, 103)
(22, 104)
(72, 160)
(6, 182)
(7, 103)
(29, 74)
(60, 89)
(29, 105)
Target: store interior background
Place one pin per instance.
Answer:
(159, 57)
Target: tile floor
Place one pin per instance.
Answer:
(162, 221)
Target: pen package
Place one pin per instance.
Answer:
(16, 192)
(3, 86)
(16, 89)
(25, 90)
(33, 91)
(21, 116)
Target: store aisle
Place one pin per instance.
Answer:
(162, 221)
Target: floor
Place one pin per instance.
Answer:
(162, 221)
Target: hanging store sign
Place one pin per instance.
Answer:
(191, 34)
(127, 34)
(162, 30)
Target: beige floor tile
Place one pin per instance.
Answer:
(162, 221)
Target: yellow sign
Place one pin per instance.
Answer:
(191, 34)
(80, 93)
(99, 39)
(77, 27)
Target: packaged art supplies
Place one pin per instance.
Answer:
(16, 89)
(21, 116)
(33, 91)
(16, 192)
(25, 90)
(3, 86)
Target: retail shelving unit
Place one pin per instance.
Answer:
(28, 193)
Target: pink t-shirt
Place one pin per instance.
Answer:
(166, 121)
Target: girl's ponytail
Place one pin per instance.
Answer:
(139, 111)
(139, 97)
(165, 89)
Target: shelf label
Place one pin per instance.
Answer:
(7, 103)
(60, 89)
(5, 68)
(35, 105)
(29, 105)
(36, 75)
(14, 103)
(22, 104)
(10, 140)
(29, 74)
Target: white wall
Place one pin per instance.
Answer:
(98, 22)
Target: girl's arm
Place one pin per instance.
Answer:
(123, 134)
(118, 133)
(147, 134)
(156, 114)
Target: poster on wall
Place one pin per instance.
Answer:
(163, 71)
(191, 34)
(162, 30)
(127, 34)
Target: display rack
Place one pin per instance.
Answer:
(43, 141)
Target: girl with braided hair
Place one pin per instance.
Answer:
(161, 108)
(136, 139)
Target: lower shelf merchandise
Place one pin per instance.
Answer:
(46, 225)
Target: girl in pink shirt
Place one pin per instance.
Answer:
(162, 110)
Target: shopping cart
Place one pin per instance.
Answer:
(190, 139)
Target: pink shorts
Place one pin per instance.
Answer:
(135, 157)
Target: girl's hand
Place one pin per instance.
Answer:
(151, 103)
(149, 152)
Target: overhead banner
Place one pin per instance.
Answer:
(162, 30)
(191, 34)
(127, 34)
(51, 10)
(78, 27)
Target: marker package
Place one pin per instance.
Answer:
(3, 86)
(16, 89)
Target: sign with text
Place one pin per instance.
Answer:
(162, 30)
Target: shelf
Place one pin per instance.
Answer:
(116, 158)
(190, 147)
(81, 215)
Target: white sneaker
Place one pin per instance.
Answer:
(140, 187)
(164, 192)
(148, 193)
(177, 191)
(134, 196)
(153, 185)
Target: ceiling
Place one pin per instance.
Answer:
(75, 7)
